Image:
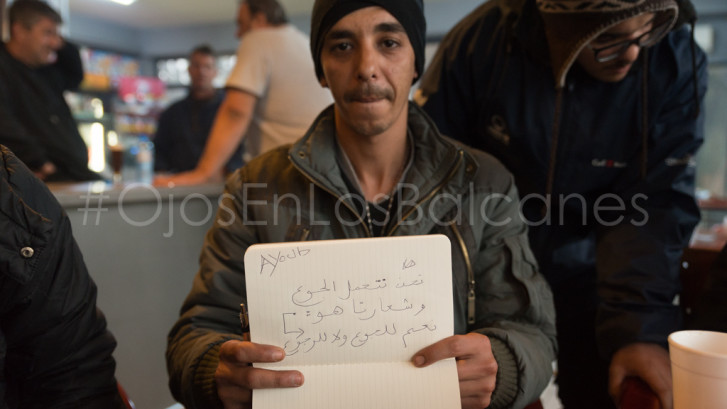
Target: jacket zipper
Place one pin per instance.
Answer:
(460, 240)
(304, 236)
(315, 182)
(434, 191)
(470, 275)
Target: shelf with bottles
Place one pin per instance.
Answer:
(137, 105)
(127, 124)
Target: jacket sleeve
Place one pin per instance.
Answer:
(54, 346)
(210, 314)
(70, 66)
(638, 258)
(16, 136)
(515, 305)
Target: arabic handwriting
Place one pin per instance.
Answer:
(338, 338)
(403, 284)
(413, 330)
(304, 298)
(336, 311)
(357, 311)
(353, 312)
(408, 264)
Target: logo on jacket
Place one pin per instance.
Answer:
(685, 161)
(498, 129)
(607, 163)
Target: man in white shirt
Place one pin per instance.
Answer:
(272, 92)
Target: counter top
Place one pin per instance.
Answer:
(80, 194)
(141, 245)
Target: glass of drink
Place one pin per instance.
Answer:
(117, 161)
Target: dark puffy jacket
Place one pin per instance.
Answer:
(610, 227)
(55, 351)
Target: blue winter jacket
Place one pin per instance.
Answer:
(611, 222)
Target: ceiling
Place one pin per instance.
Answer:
(159, 13)
(173, 13)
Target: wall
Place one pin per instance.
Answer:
(153, 43)
(109, 36)
(169, 42)
(714, 13)
(141, 247)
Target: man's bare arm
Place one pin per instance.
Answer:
(228, 130)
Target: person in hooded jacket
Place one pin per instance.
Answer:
(594, 107)
(55, 350)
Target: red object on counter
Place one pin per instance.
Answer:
(638, 395)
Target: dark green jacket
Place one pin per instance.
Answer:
(490, 255)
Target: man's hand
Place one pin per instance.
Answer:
(650, 362)
(46, 170)
(476, 366)
(191, 177)
(236, 378)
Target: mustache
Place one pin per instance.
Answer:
(369, 91)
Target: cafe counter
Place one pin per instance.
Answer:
(141, 245)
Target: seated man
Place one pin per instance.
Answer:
(55, 351)
(183, 128)
(372, 165)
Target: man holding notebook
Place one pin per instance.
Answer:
(372, 165)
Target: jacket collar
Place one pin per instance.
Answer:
(439, 164)
(16, 181)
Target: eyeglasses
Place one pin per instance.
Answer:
(613, 51)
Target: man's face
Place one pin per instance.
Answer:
(368, 63)
(39, 42)
(244, 20)
(616, 69)
(202, 70)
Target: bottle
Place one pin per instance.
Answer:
(145, 160)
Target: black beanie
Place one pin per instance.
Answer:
(410, 13)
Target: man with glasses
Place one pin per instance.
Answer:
(594, 107)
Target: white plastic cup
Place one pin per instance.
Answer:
(699, 369)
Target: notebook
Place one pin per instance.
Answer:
(350, 315)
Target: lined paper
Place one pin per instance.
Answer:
(350, 314)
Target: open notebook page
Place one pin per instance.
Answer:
(350, 315)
